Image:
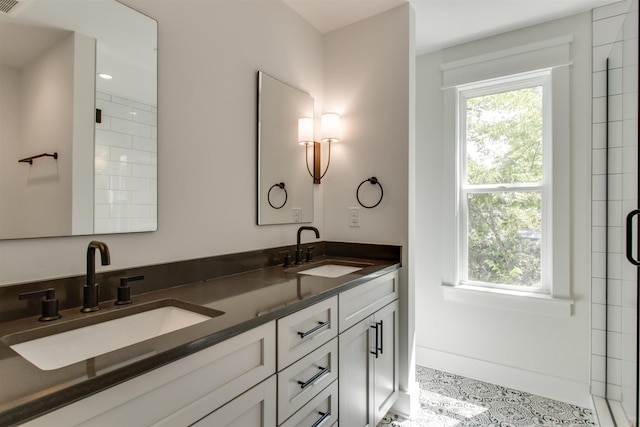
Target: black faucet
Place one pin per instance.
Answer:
(298, 249)
(90, 295)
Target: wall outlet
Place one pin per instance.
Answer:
(297, 213)
(354, 217)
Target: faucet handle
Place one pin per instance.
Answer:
(124, 291)
(49, 303)
(287, 258)
(309, 257)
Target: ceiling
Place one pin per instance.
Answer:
(444, 23)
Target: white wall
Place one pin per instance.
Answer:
(368, 78)
(208, 56)
(544, 354)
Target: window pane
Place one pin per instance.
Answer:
(504, 137)
(504, 238)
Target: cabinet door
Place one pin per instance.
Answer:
(254, 408)
(385, 370)
(355, 373)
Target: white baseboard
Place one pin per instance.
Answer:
(519, 379)
(408, 403)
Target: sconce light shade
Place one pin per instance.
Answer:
(330, 123)
(305, 131)
(330, 133)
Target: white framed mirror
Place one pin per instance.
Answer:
(103, 178)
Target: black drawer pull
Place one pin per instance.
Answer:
(324, 416)
(311, 380)
(310, 331)
(381, 337)
(377, 345)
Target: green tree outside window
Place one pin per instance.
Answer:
(504, 151)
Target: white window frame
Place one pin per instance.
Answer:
(552, 56)
(540, 78)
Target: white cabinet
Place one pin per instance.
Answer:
(296, 371)
(320, 411)
(385, 364)
(182, 392)
(368, 353)
(362, 301)
(356, 374)
(298, 383)
(368, 368)
(253, 408)
(303, 331)
(308, 365)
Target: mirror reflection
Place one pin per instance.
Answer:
(103, 178)
(285, 189)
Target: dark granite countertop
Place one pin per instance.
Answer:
(247, 299)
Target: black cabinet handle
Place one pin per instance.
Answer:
(311, 380)
(629, 242)
(312, 330)
(381, 337)
(377, 345)
(324, 416)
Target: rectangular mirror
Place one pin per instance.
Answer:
(285, 186)
(99, 137)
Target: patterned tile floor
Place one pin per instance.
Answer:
(448, 400)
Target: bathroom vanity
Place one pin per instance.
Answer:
(307, 345)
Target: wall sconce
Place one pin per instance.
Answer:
(330, 132)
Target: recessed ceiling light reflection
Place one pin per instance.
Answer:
(105, 76)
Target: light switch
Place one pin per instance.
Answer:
(354, 217)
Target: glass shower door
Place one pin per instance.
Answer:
(623, 222)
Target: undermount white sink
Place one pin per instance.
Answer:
(65, 348)
(330, 270)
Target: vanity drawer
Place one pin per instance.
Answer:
(362, 301)
(303, 331)
(298, 383)
(322, 407)
(254, 408)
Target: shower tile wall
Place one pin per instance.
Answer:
(607, 23)
(126, 159)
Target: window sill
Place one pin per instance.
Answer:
(509, 300)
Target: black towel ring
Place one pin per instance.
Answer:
(286, 196)
(373, 180)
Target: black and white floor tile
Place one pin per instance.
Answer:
(448, 400)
